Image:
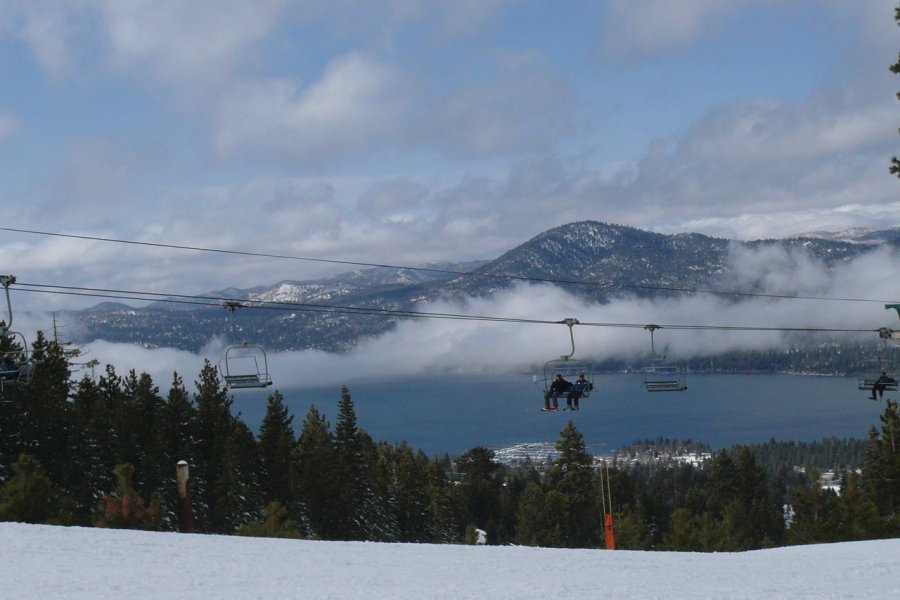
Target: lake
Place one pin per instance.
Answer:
(452, 413)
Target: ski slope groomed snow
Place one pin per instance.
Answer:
(71, 562)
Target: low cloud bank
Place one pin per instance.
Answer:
(444, 345)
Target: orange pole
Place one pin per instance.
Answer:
(609, 531)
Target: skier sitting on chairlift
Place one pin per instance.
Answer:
(559, 387)
(580, 386)
(881, 383)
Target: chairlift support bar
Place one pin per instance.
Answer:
(569, 321)
(893, 335)
(231, 306)
(652, 329)
(6, 281)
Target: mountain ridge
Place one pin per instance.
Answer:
(592, 259)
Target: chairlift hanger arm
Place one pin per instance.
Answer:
(894, 306)
(569, 321)
(652, 328)
(894, 335)
(6, 281)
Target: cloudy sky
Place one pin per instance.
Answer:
(407, 131)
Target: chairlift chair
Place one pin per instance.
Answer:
(878, 367)
(16, 364)
(244, 366)
(658, 375)
(570, 368)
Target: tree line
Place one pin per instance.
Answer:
(102, 452)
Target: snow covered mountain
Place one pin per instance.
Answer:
(615, 259)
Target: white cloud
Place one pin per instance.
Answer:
(768, 131)
(522, 105)
(640, 29)
(357, 101)
(186, 43)
(438, 345)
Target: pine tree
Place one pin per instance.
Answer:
(276, 446)
(124, 508)
(178, 425)
(225, 460)
(277, 523)
(445, 519)
(30, 497)
(881, 468)
(409, 487)
(36, 418)
(145, 410)
(90, 457)
(534, 521)
(364, 515)
(572, 487)
(316, 482)
(481, 491)
(353, 490)
(856, 517)
(812, 511)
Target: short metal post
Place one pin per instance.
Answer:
(185, 514)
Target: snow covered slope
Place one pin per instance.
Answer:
(69, 562)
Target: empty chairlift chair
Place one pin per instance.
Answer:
(659, 376)
(244, 366)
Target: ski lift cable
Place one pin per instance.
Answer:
(504, 276)
(215, 301)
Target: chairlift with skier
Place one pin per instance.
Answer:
(570, 369)
(16, 364)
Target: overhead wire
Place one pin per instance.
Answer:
(220, 301)
(502, 276)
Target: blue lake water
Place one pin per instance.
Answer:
(452, 413)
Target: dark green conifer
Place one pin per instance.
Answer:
(29, 496)
(316, 481)
(276, 447)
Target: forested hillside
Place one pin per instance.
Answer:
(103, 452)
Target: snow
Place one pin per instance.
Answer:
(47, 562)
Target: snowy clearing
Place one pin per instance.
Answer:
(71, 562)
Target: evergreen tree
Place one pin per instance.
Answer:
(36, 418)
(409, 488)
(811, 523)
(276, 446)
(316, 481)
(480, 491)
(572, 486)
(443, 512)
(145, 410)
(856, 517)
(124, 508)
(91, 459)
(225, 459)
(363, 513)
(178, 428)
(881, 469)
(535, 523)
(30, 497)
(276, 523)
